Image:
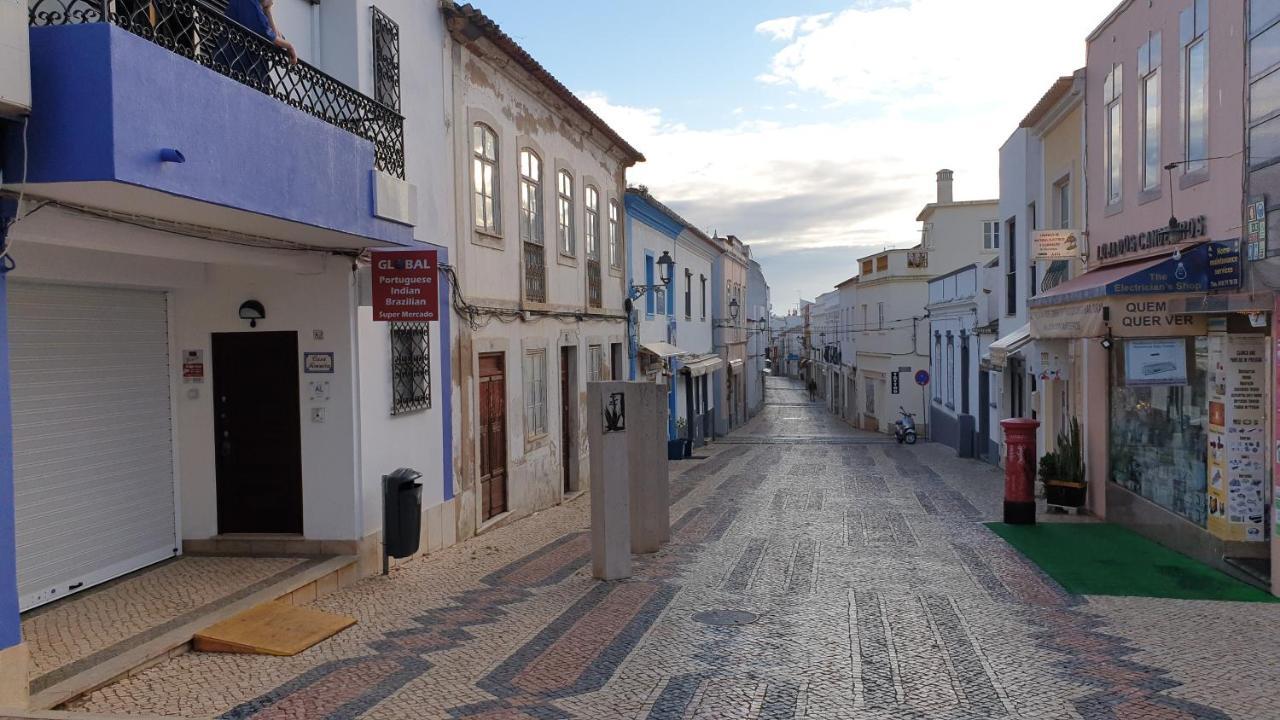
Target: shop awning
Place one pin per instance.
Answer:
(661, 349)
(701, 364)
(1144, 297)
(1200, 268)
(1009, 345)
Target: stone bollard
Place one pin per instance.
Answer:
(609, 436)
(648, 467)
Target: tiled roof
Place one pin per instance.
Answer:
(466, 23)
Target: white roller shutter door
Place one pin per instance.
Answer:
(93, 455)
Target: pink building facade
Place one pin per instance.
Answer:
(1175, 353)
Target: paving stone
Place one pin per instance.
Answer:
(877, 590)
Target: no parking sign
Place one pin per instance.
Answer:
(922, 377)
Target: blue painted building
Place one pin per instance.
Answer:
(190, 352)
(671, 336)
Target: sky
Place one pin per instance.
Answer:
(811, 129)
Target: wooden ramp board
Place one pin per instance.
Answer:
(274, 628)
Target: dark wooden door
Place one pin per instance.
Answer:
(257, 432)
(566, 414)
(493, 435)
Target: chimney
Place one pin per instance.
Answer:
(944, 186)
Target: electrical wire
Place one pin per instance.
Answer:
(479, 316)
(6, 261)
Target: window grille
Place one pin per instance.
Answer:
(410, 367)
(386, 60)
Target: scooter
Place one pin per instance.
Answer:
(904, 428)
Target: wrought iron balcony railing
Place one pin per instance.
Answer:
(595, 292)
(535, 272)
(199, 30)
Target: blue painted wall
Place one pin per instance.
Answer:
(105, 102)
(10, 628)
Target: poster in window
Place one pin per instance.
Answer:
(1237, 438)
(1155, 362)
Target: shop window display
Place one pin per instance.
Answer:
(1158, 437)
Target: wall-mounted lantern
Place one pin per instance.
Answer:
(252, 311)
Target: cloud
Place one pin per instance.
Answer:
(889, 91)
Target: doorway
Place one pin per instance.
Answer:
(984, 415)
(493, 435)
(257, 432)
(568, 405)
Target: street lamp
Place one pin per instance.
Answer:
(733, 307)
(666, 267)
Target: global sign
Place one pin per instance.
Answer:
(404, 286)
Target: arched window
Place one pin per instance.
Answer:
(484, 180)
(564, 212)
(530, 197)
(592, 197)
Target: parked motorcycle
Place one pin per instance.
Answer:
(904, 428)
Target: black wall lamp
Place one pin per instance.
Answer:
(733, 307)
(252, 311)
(666, 266)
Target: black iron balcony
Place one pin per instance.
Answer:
(200, 31)
(595, 291)
(535, 273)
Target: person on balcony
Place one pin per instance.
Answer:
(256, 16)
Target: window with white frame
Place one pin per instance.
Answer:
(535, 393)
(615, 234)
(564, 213)
(1062, 202)
(530, 197)
(991, 234)
(1149, 85)
(595, 363)
(1193, 26)
(592, 232)
(1112, 127)
(484, 174)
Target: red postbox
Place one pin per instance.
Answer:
(1020, 470)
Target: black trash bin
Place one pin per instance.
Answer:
(401, 512)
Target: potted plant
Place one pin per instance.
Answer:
(1062, 470)
(679, 448)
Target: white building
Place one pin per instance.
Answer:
(193, 362)
(729, 328)
(825, 330)
(1041, 181)
(888, 304)
(542, 257)
(846, 370)
(761, 313)
(961, 310)
(673, 321)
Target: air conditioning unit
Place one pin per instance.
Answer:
(15, 59)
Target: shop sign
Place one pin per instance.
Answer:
(1076, 320)
(1142, 242)
(1210, 266)
(1256, 228)
(1155, 362)
(317, 362)
(1153, 317)
(1237, 436)
(895, 384)
(404, 286)
(1055, 245)
(193, 366)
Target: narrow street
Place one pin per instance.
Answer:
(815, 571)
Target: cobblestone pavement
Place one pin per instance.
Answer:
(814, 571)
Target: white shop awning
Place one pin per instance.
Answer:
(1009, 345)
(661, 349)
(697, 365)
